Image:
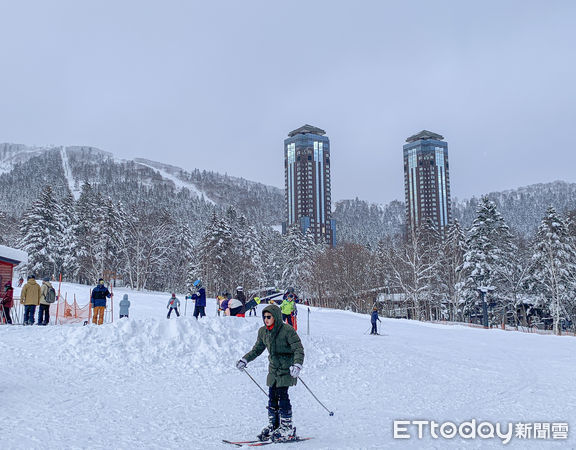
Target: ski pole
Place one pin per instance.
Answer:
(306, 386)
(255, 382)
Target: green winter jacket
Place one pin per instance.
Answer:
(287, 307)
(284, 348)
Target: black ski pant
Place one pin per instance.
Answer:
(170, 312)
(199, 311)
(374, 328)
(278, 400)
(7, 314)
(288, 319)
(44, 314)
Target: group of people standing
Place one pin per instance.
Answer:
(233, 306)
(239, 305)
(199, 298)
(32, 295)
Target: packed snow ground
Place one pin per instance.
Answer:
(149, 382)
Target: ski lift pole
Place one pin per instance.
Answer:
(255, 382)
(331, 413)
(308, 323)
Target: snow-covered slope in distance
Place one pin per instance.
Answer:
(149, 382)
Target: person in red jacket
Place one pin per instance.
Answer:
(7, 302)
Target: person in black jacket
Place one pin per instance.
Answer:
(242, 299)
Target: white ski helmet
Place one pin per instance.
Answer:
(239, 288)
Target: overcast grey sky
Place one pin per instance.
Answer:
(217, 85)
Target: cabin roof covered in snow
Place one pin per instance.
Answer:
(12, 255)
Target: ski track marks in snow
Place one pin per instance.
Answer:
(68, 173)
(178, 182)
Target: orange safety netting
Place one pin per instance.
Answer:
(63, 311)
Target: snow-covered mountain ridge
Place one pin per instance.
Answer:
(193, 195)
(522, 208)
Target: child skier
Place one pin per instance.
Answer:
(286, 356)
(173, 304)
(124, 306)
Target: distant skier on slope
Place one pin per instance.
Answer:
(373, 319)
(173, 304)
(286, 356)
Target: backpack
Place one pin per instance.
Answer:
(50, 295)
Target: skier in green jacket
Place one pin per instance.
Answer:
(286, 356)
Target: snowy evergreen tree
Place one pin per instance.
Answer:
(488, 258)
(214, 256)
(249, 249)
(178, 261)
(4, 221)
(87, 234)
(41, 233)
(554, 267)
(66, 253)
(297, 257)
(271, 244)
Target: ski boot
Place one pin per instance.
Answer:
(285, 432)
(273, 421)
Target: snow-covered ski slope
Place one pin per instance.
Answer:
(149, 382)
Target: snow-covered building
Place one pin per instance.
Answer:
(10, 258)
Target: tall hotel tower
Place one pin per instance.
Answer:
(427, 180)
(307, 176)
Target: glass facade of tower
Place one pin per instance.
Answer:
(427, 180)
(307, 182)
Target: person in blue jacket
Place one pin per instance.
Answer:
(200, 298)
(98, 302)
(373, 319)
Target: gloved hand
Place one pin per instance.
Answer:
(241, 364)
(295, 370)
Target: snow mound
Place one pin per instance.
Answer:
(183, 342)
(214, 343)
